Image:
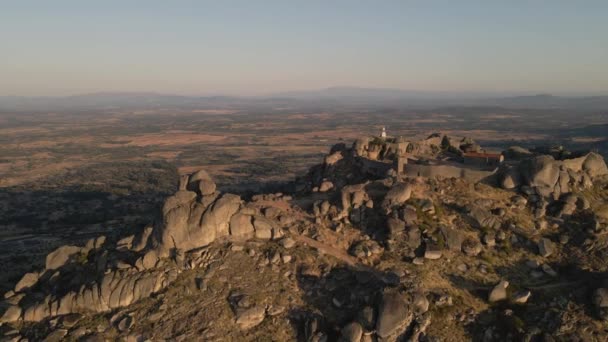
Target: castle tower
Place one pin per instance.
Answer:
(383, 134)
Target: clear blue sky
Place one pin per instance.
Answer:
(257, 47)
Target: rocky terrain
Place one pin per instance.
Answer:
(345, 256)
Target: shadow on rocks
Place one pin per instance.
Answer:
(337, 298)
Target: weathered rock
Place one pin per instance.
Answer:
(367, 318)
(241, 227)
(510, 179)
(409, 215)
(125, 243)
(420, 303)
(414, 237)
(489, 239)
(352, 332)
(202, 183)
(594, 165)
(499, 292)
(453, 238)
(95, 243)
(12, 314)
(249, 318)
(180, 198)
(61, 256)
(150, 259)
(27, 281)
(546, 247)
(288, 243)
(394, 314)
(206, 187)
(521, 297)
(326, 186)
(484, 218)
(141, 240)
(395, 226)
(540, 171)
(333, 158)
(56, 336)
(125, 323)
(432, 253)
(191, 225)
(353, 196)
(263, 228)
(397, 195)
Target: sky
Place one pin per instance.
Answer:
(261, 47)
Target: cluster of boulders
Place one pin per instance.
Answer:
(459, 145)
(78, 280)
(398, 315)
(101, 276)
(543, 176)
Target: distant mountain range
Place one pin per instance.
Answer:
(329, 97)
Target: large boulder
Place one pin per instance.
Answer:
(180, 198)
(114, 290)
(353, 196)
(13, 313)
(351, 332)
(397, 195)
(188, 224)
(360, 146)
(61, 256)
(199, 175)
(174, 230)
(241, 227)
(263, 228)
(27, 281)
(541, 171)
(217, 218)
(499, 292)
(394, 315)
(484, 218)
(594, 165)
(510, 178)
(201, 183)
(453, 238)
(249, 318)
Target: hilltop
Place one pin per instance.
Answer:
(387, 238)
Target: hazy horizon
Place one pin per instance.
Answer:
(250, 49)
(325, 91)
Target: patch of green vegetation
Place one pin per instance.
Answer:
(440, 239)
(439, 210)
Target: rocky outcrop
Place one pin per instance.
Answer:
(116, 289)
(353, 196)
(82, 279)
(193, 219)
(550, 178)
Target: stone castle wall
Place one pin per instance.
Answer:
(446, 171)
